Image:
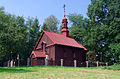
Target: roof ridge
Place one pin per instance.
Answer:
(60, 34)
(53, 32)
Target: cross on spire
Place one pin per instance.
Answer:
(64, 30)
(64, 9)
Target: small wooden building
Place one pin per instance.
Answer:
(56, 46)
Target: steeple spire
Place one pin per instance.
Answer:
(64, 30)
(64, 9)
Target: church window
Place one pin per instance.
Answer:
(64, 53)
(73, 54)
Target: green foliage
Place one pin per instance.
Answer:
(113, 67)
(78, 27)
(17, 36)
(115, 51)
(91, 56)
(51, 23)
(100, 33)
(60, 28)
(105, 22)
(33, 33)
(45, 27)
(12, 36)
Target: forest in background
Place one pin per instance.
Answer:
(99, 33)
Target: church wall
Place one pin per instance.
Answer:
(40, 61)
(68, 59)
(33, 61)
(46, 39)
(51, 52)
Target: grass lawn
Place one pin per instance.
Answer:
(38, 72)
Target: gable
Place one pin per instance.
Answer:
(42, 38)
(37, 53)
(61, 39)
(55, 38)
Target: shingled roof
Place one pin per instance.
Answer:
(58, 38)
(38, 53)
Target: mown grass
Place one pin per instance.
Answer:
(42, 72)
(114, 67)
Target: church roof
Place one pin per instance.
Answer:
(38, 53)
(61, 39)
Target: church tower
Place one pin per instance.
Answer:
(64, 30)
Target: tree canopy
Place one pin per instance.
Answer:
(51, 23)
(100, 33)
(17, 36)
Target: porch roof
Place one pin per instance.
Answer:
(38, 53)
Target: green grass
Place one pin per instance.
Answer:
(114, 67)
(42, 72)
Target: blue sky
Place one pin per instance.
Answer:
(44, 8)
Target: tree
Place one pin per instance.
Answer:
(2, 28)
(91, 56)
(45, 27)
(79, 27)
(22, 34)
(115, 52)
(32, 35)
(100, 33)
(60, 28)
(51, 23)
(104, 16)
(17, 36)
(12, 34)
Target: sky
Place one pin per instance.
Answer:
(44, 8)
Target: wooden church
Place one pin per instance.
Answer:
(57, 47)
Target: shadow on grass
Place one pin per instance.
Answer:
(13, 70)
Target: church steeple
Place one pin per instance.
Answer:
(64, 30)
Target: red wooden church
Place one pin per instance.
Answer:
(56, 47)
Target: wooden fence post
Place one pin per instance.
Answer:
(97, 63)
(86, 63)
(61, 62)
(8, 63)
(106, 64)
(18, 60)
(75, 63)
(46, 62)
(11, 63)
(28, 61)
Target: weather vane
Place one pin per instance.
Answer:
(64, 9)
